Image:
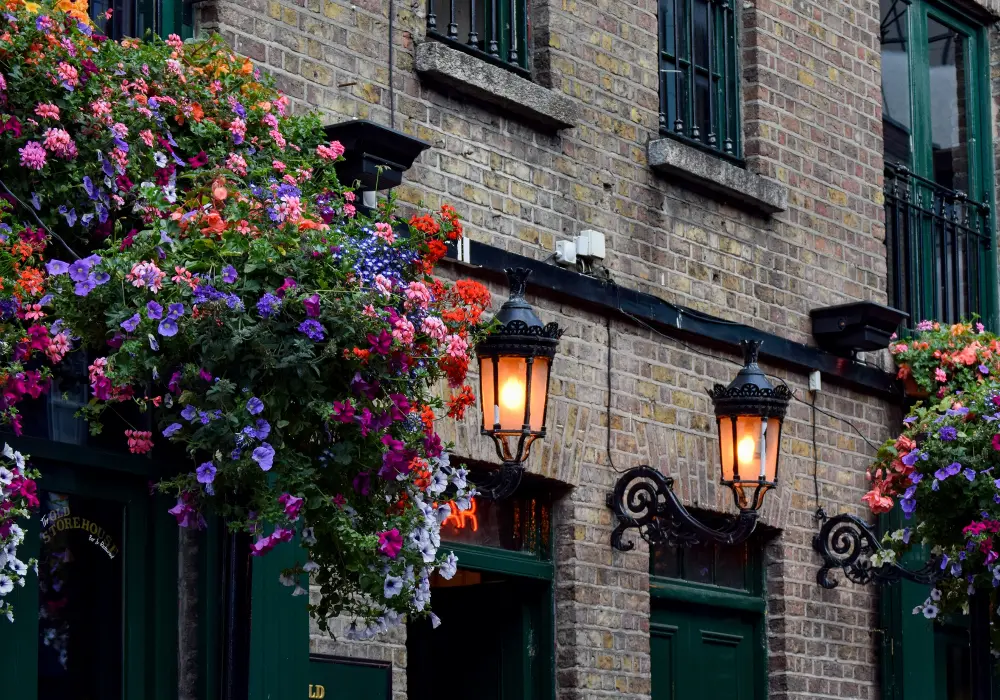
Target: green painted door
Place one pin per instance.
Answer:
(702, 653)
(83, 629)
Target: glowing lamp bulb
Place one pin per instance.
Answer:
(512, 395)
(745, 450)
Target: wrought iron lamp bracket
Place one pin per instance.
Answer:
(500, 483)
(846, 542)
(644, 499)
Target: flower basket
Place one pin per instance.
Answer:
(913, 390)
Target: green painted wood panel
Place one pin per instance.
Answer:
(703, 653)
(279, 629)
(336, 678)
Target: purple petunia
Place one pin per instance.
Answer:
(264, 456)
(948, 433)
(254, 406)
(229, 274)
(56, 267)
(262, 429)
(969, 474)
(983, 369)
(130, 324)
(312, 329)
(154, 310)
(206, 473)
(189, 413)
(171, 429)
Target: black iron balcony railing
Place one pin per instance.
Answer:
(495, 30)
(938, 242)
(699, 74)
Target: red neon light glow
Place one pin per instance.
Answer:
(460, 519)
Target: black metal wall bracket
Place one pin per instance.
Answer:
(644, 499)
(847, 542)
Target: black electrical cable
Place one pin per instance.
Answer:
(611, 460)
(702, 352)
(392, 60)
(820, 513)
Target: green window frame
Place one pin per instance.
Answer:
(940, 223)
(699, 75)
(497, 31)
(712, 600)
(149, 573)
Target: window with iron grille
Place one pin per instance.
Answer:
(495, 30)
(938, 162)
(699, 75)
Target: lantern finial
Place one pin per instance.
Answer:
(751, 349)
(517, 278)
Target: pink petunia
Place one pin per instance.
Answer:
(390, 542)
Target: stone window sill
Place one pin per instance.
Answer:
(482, 80)
(717, 177)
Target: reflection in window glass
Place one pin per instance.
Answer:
(949, 123)
(711, 564)
(895, 81)
(520, 524)
(80, 577)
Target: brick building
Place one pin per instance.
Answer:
(745, 162)
(807, 168)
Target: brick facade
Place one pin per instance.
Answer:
(811, 121)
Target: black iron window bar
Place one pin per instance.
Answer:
(699, 76)
(494, 30)
(938, 243)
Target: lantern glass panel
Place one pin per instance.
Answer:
(773, 436)
(748, 445)
(504, 403)
(539, 392)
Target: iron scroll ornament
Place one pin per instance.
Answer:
(846, 542)
(644, 499)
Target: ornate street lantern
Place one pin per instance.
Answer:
(515, 361)
(749, 413)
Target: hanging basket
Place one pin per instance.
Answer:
(914, 390)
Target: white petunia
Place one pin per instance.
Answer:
(393, 586)
(308, 536)
(435, 621)
(6, 476)
(8, 451)
(459, 478)
(439, 482)
(310, 566)
(299, 590)
(448, 567)
(287, 580)
(6, 584)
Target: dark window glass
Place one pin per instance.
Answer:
(712, 564)
(699, 81)
(80, 585)
(895, 81)
(946, 50)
